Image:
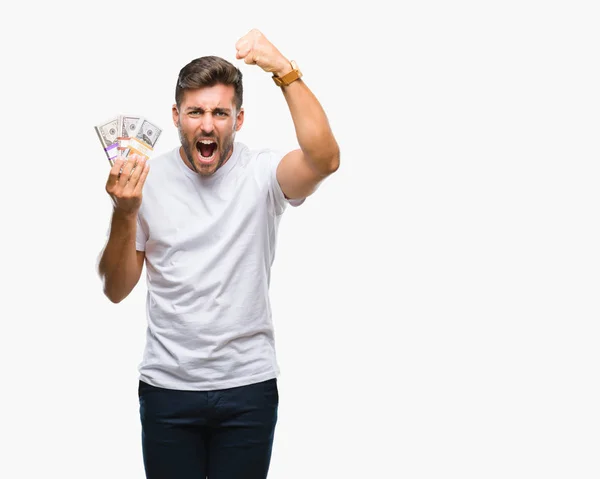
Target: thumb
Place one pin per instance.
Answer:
(250, 59)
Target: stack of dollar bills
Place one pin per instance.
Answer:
(127, 134)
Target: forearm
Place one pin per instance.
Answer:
(118, 266)
(313, 131)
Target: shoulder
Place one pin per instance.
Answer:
(260, 158)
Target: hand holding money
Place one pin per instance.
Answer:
(126, 181)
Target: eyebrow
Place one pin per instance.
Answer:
(199, 108)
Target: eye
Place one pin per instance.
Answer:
(194, 113)
(221, 113)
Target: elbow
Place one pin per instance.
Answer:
(333, 154)
(323, 155)
(327, 161)
(113, 296)
(333, 161)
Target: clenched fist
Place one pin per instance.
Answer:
(255, 49)
(125, 182)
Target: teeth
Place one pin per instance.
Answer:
(207, 142)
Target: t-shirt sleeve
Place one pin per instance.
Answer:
(140, 236)
(276, 195)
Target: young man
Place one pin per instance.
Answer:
(207, 230)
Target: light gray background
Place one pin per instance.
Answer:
(436, 301)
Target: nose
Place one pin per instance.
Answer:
(207, 123)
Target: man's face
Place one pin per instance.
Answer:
(207, 122)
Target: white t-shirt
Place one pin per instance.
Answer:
(209, 244)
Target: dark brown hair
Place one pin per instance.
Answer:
(209, 71)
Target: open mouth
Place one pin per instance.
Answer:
(206, 150)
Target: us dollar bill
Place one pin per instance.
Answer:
(128, 127)
(148, 133)
(143, 142)
(108, 133)
(138, 147)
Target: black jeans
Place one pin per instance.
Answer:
(223, 434)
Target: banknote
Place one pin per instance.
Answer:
(128, 134)
(108, 133)
(148, 133)
(138, 147)
(142, 143)
(128, 127)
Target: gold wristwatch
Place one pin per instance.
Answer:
(288, 78)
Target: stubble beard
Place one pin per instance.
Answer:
(189, 147)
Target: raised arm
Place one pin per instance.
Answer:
(300, 171)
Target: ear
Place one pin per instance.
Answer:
(175, 112)
(239, 120)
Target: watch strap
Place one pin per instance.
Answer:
(289, 77)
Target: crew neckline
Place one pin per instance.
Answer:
(217, 174)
